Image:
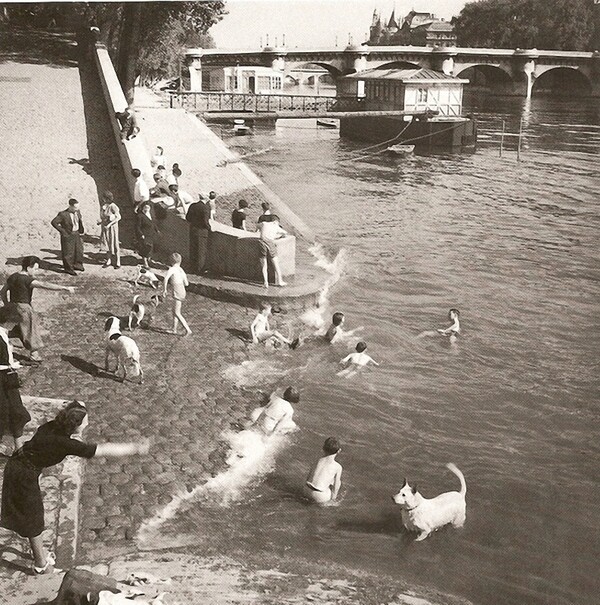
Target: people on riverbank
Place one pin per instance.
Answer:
(277, 415)
(18, 290)
(198, 216)
(158, 158)
(141, 191)
(266, 212)
(110, 215)
(146, 231)
(161, 187)
(325, 477)
(128, 122)
(13, 415)
(212, 202)
(238, 216)
(269, 231)
(176, 282)
(22, 501)
(70, 226)
(183, 200)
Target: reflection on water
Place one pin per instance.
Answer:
(514, 246)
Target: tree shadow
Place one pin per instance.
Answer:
(25, 45)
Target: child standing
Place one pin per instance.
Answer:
(178, 279)
(325, 478)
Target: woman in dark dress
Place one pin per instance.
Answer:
(146, 230)
(22, 503)
(13, 415)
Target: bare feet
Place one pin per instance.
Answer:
(281, 284)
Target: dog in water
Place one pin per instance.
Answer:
(425, 515)
(145, 276)
(124, 349)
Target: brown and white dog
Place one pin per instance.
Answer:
(124, 349)
(140, 311)
(425, 515)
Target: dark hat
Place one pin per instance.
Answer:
(243, 204)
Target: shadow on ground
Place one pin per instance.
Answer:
(57, 49)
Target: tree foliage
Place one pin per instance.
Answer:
(144, 38)
(543, 24)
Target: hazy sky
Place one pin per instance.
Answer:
(312, 23)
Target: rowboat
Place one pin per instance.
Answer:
(401, 149)
(325, 123)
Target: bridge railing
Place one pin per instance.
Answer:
(235, 101)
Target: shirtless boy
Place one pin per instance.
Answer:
(261, 330)
(335, 329)
(325, 478)
(454, 330)
(276, 416)
(356, 360)
(178, 281)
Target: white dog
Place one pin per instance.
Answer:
(124, 349)
(425, 515)
(145, 276)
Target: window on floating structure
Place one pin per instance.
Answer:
(276, 83)
(422, 95)
(235, 82)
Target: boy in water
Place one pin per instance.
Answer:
(325, 478)
(178, 279)
(261, 331)
(276, 416)
(356, 360)
(335, 329)
(454, 330)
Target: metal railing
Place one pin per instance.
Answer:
(234, 101)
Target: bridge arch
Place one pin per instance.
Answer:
(562, 81)
(483, 76)
(334, 72)
(399, 65)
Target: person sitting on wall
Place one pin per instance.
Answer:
(269, 231)
(158, 159)
(160, 189)
(128, 122)
(183, 200)
(265, 216)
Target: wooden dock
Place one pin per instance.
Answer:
(209, 116)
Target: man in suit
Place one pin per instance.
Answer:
(198, 215)
(70, 226)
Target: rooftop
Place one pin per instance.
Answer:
(405, 75)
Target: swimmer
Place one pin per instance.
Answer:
(335, 332)
(276, 416)
(325, 478)
(335, 329)
(261, 331)
(355, 361)
(454, 330)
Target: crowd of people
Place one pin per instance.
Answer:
(22, 508)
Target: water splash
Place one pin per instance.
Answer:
(251, 457)
(315, 317)
(253, 372)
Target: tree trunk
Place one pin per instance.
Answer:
(129, 46)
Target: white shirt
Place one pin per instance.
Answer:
(158, 160)
(271, 230)
(141, 191)
(4, 336)
(185, 199)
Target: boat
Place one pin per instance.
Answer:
(326, 123)
(428, 102)
(240, 127)
(401, 149)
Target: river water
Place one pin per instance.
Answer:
(514, 246)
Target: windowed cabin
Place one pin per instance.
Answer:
(416, 90)
(242, 79)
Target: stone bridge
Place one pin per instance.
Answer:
(505, 71)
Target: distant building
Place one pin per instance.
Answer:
(417, 28)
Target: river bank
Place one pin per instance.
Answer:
(190, 396)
